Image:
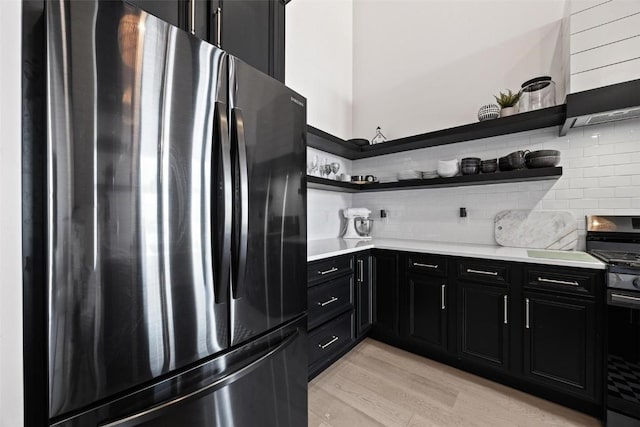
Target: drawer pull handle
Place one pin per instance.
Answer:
(331, 270)
(419, 264)
(333, 339)
(327, 302)
(558, 282)
(625, 299)
(527, 314)
(443, 291)
(487, 273)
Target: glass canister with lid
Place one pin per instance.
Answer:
(537, 93)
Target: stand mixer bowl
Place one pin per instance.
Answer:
(363, 226)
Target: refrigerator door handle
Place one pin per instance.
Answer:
(222, 247)
(156, 411)
(241, 204)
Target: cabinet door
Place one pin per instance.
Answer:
(364, 308)
(246, 31)
(386, 294)
(559, 342)
(484, 324)
(172, 11)
(427, 320)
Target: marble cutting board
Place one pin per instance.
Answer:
(536, 230)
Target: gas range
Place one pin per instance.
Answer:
(615, 240)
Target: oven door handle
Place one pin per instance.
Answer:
(622, 300)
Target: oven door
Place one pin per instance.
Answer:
(623, 358)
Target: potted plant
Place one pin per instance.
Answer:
(507, 102)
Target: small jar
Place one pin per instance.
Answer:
(537, 93)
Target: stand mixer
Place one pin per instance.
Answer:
(358, 225)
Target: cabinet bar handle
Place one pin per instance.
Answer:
(443, 291)
(526, 314)
(360, 270)
(558, 282)
(331, 270)
(218, 14)
(333, 339)
(419, 264)
(488, 273)
(327, 302)
(506, 309)
(625, 299)
(192, 16)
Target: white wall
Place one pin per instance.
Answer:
(319, 61)
(421, 66)
(11, 400)
(601, 176)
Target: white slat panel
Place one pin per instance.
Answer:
(602, 14)
(605, 76)
(605, 34)
(605, 55)
(577, 6)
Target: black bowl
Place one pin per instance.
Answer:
(543, 162)
(470, 169)
(490, 167)
(542, 153)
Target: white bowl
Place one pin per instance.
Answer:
(448, 168)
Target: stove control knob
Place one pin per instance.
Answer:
(636, 282)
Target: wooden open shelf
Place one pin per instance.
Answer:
(521, 175)
(547, 117)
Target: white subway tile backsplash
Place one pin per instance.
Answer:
(596, 180)
(598, 171)
(628, 169)
(615, 181)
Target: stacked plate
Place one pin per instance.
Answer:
(430, 174)
(409, 174)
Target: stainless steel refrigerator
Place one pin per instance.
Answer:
(176, 228)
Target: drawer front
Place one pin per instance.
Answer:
(329, 339)
(427, 264)
(565, 280)
(329, 299)
(484, 271)
(327, 269)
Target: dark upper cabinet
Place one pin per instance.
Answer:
(386, 294)
(252, 30)
(364, 293)
(483, 324)
(559, 343)
(425, 321)
(174, 12)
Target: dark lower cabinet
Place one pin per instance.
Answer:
(426, 323)
(364, 294)
(386, 264)
(483, 324)
(559, 343)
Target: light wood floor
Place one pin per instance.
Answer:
(379, 385)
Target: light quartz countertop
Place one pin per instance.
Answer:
(320, 249)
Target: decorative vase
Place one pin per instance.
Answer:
(507, 111)
(488, 112)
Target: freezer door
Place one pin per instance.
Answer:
(268, 150)
(263, 383)
(135, 286)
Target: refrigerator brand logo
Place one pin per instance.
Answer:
(295, 101)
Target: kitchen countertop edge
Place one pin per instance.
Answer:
(327, 248)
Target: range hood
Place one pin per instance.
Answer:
(602, 105)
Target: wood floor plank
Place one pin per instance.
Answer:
(379, 385)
